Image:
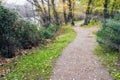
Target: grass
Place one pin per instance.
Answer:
(92, 23)
(39, 66)
(79, 21)
(109, 59)
(94, 32)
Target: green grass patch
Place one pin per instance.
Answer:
(79, 21)
(39, 66)
(92, 24)
(94, 32)
(109, 59)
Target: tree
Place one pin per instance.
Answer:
(88, 12)
(105, 11)
(43, 9)
(64, 12)
(49, 16)
(55, 13)
(70, 14)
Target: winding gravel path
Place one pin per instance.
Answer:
(78, 61)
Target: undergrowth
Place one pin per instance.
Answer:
(109, 59)
(39, 64)
(92, 23)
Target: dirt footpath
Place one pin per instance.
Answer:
(78, 61)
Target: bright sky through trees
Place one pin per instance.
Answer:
(18, 2)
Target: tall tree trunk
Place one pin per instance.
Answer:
(43, 5)
(42, 12)
(64, 12)
(88, 13)
(39, 10)
(55, 13)
(45, 16)
(70, 15)
(49, 16)
(36, 3)
(105, 11)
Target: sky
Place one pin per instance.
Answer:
(18, 2)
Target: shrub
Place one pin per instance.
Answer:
(93, 22)
(7, 37)
(49, 32)
(17, 33)
(109, 35)
(53, 28)
(26, 34)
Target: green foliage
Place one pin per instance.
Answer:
(109, 38)
(109, 34)
(27, 34)
(109, 59)
(49, 32)
(7, 37)
(17, 33)
(53, 28)
(117, 16)
(92, 23)
(40, 65)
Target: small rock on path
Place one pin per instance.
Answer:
(78, 61)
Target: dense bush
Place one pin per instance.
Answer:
(16, 33)
(27, 34)
(49, 32)
(7, 37)
(109, 35)
(53, 28)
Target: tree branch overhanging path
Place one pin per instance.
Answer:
(78, 61)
